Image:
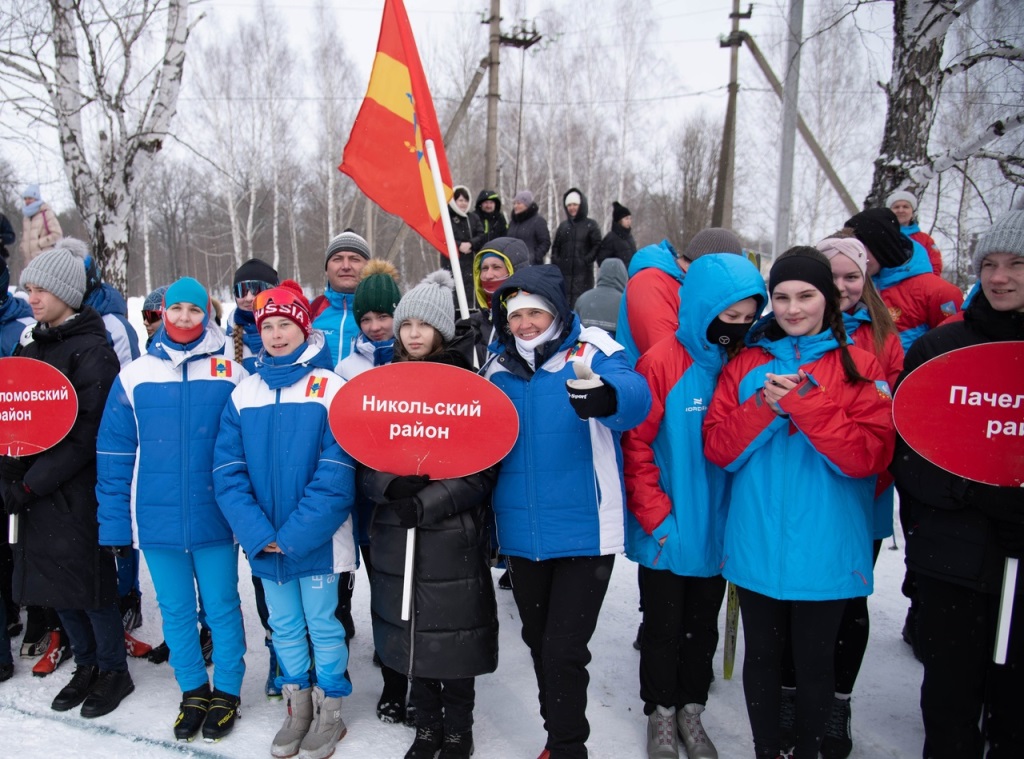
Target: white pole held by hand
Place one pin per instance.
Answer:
(1005, 610)
(449, 236)
(410, 555)
(12, 529)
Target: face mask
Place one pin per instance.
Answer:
(490, 287)
(725, 334)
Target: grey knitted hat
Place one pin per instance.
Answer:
(431, 302)
(59, 271)
(713, 240)
(1005, 236)
(347, 240)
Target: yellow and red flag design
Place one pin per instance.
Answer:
(316, 387)
(386, 153)
(220, 367)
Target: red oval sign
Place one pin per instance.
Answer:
(964, 412)
(38, 406)
(424, 418)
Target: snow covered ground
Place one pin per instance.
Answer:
(886, 717)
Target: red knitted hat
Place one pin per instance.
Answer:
(287, 300)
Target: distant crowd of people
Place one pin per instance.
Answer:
(713, 426)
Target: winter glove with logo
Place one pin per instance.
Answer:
(120, 552)
(592, 401)
(408, 511)
(18, 497)
(406, 486)
(12, 468)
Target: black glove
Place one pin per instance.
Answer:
(595, 401)
(18, 497)
(406, 486)
(12, 468)
(408, 511)
(1010, 537)
(120, 552)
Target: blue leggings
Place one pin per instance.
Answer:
(306, 607)
(215, 569)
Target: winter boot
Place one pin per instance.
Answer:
(130, 606)
(6, 672)
(108, 693)
(37, 633)
(787, 719)
(135, 647)
(206, 644)
(224, 710)
(698, 745)
(57, 650)
(457, 745)
(391, 705)
(160, 653)
(428, 742)
(192, 711)
(505, 581)
(270, 688)
(327, 729)
(296, 724)
(74, 693)
(838, 743)
(662, 742)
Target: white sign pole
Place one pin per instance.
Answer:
(1005, 610)
(410, 557)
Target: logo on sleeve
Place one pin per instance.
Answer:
(883, 389)
(948, 308)
(316, 387)
(220, 367)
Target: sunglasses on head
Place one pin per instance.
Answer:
(251, 287)
(152, 316)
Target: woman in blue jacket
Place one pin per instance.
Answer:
(159, 476)
(559, 502)
(287, 490)
(677, 501)
(803, 420)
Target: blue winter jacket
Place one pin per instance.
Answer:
(154, 451)
(114, 309)
(15, 316)
(338, 323)
(661, 256)
(671, 486)
(799, 523)
(560, 492)
(279, 474)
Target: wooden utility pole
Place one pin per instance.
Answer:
(721, 213)
(491, 164)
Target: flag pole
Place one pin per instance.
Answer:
(449, 237)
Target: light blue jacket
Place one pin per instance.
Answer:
(338, 323)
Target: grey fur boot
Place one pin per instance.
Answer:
(296, 724)
(328, 727)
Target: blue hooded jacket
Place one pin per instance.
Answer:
(661, 256)
(154, 451)
(279, 474)
(559, 491)
(114, 309)
(338, 323)
(15, 316)
(665, 462)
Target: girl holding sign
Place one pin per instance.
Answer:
(803, 421)
(559, 503)
(963, 532)
(677, 501)
(453, 635)
(287, 489)
(155, 490)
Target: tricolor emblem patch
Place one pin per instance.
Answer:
(576, 351)
(883, 389)
(316, 387)
(220, 367)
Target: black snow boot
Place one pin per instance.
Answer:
(428, 742)
(107, 694)
(74, 693)
(192, 711)
(457, 745)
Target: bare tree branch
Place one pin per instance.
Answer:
(1003, 52)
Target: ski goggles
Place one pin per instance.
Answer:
(152, 316)
(249, 287)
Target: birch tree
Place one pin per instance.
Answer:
(102, 77)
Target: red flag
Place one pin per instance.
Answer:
(385, 154)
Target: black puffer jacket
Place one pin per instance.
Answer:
(959, 530)
(466, 227)
(58, 562)
(454, 630)
(530, 227)
(618, 243)
(494, 224)
(575, 249)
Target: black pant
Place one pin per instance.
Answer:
(96, 637)
(957, 629)
(559, 601)
(680, 637)
(767, 625)
(444, 702)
